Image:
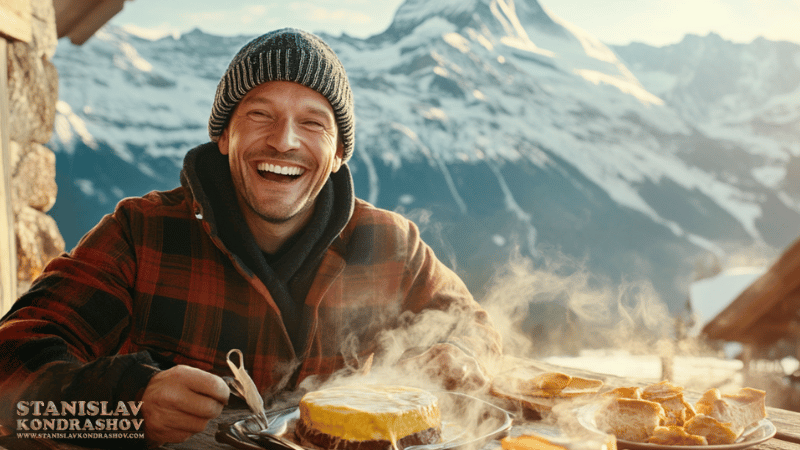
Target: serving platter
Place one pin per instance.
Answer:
(467, 424)
(761, 431)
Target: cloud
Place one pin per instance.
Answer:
(353, 17)
(776, 19)
(252, 14)
(664, 22)
(342, 15)
(656, 22)
(247, 19)
(327, 16)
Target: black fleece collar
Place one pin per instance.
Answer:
(206, 175)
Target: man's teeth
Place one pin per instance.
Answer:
(280, 170)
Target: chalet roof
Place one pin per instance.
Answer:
(767, 310)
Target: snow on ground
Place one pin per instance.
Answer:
(692, 372)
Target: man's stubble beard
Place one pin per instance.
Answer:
(273, 219)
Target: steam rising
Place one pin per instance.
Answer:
(577, 309)
(548, 307)
(543, 307)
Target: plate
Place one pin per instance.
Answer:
(760, 432)
(467, 423)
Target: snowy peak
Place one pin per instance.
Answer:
(520, 28)
(496, 15)
(711, 79)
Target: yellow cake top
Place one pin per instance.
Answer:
(370, 412)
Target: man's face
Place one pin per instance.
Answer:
(282, 145)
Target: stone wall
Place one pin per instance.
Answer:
(33, 93)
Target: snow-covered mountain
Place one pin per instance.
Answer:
(495, 125)
(743, 101)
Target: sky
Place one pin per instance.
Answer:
(614, 22)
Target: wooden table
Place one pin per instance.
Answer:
(788, 425)
(786, 422)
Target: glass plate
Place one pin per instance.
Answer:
(467, 423)
(762, 431)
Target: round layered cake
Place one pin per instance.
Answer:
(369, 418)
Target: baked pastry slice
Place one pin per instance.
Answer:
(675, 435)
(540, 391)
(676, 409)
(715, 432)
(633, 392)
(529, 442)
(554, 384)
(629, 419)
(742, 409)
(536, 441)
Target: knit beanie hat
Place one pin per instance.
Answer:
(286, 55)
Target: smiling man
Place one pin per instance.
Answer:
(264, 248)
(282, 146)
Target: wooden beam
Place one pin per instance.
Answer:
(79, 27)
(15, 20)
(69, 13)
(8, 243)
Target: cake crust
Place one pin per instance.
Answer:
(326, 441)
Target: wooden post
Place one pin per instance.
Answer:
(8, 245)
(747, 362)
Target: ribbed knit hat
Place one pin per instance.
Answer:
(286, 55)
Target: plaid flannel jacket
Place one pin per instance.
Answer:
(153, 280)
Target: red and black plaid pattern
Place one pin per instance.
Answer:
(152, 277)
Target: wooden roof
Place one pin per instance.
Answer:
(16, 20)
(768, 310)
(80, 19)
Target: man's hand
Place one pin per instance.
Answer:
(448, 365)
(179, 402)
